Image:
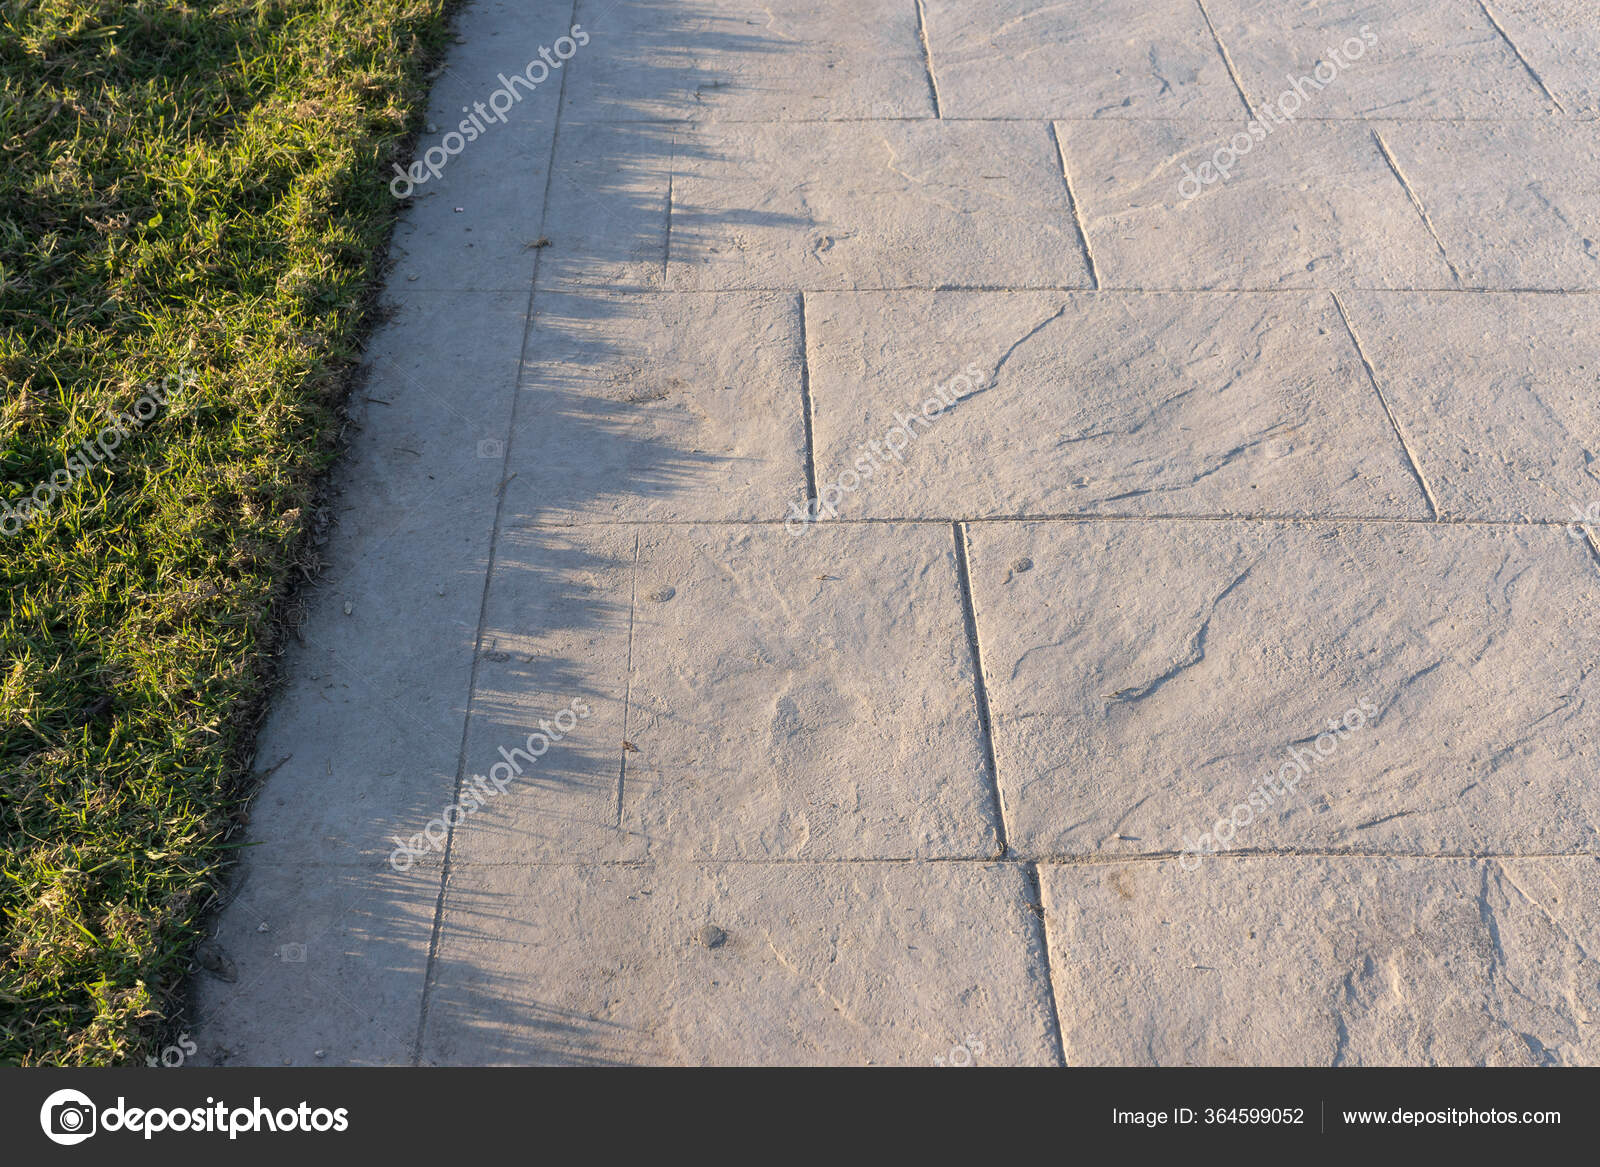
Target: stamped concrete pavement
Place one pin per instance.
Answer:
(1059, 531)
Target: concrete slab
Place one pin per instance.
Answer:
(1078, 59)
(1244, 404)
(1496, 395)
(742, 964)
(872, 205)
(804, 695)
(366, 734)
(1401, 59)
(492, 36)
(472, 217)
(327, 965)
(810, 205)
(1146, 679)
(1524, 214)
(735, 60)
(1310, 205)
(473, 227)
(662, 407)
(556, 637)
(606, 211)
(1326, 961)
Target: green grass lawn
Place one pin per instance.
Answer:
(191, 195)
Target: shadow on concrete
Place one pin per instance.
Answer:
(374, 930)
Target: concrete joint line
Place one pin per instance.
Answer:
(1282, 518)
(807, 409)
(927, 59)
(1422, 213)
(1077, 217)
(969, 614)
(1042, 912)
(1526, 64)
(1394, 422)
(1227, 61)
(627, 681)
(666, 249)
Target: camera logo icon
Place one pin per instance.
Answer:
(68, 1117)
(491, 448)
(292, 953)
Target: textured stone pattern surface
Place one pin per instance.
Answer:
(1060, 530)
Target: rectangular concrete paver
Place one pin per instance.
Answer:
(1402, 59)
(555, 631)
(1524, 213)
(1078, 59)
(1327, 961)
(360, 743)
(325, 965)
(903, 204)
(806, 694)
(1146, 680)
(471, 228)
(742, 964)
(469, 225)
(1310, 205)
(1099, 402)
(606, 211)
(1501, 406)
(662, 407)
(873, 205)
(736, 60)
